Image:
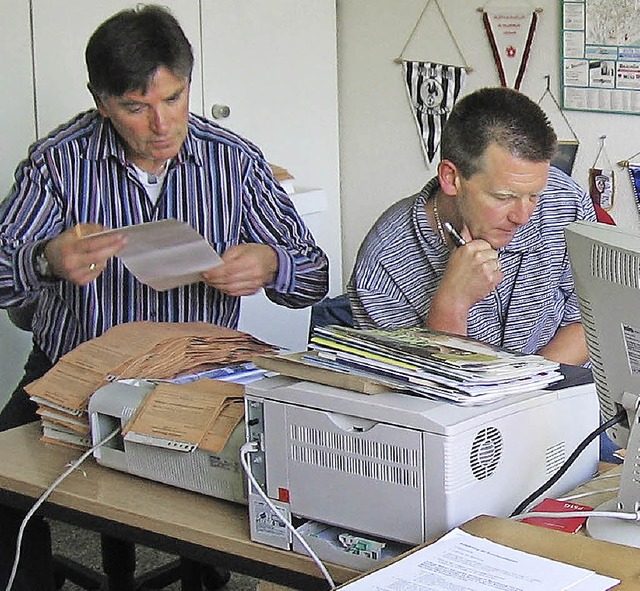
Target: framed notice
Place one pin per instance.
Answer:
(600, 65)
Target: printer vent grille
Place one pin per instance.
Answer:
(486, 452)
(353, 455)
(555, 457)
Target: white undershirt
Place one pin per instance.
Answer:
(152, 182)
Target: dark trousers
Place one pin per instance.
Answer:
(35, 570)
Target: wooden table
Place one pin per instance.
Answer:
(177, 521)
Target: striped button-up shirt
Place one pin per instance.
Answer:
(402, 260)
(218, 183)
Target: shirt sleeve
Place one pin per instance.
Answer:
(271, 218)
(29, 214)
(585, 211)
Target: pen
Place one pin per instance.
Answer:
(455, 235)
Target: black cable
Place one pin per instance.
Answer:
(618, 418)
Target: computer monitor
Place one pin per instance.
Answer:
(606, 267)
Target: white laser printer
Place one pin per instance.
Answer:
(405, 468)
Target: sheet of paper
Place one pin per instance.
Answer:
(460, 561)
(166, 254)
(186, 413)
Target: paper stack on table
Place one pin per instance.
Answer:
(461, 561)
(159, 351)
(430, 363)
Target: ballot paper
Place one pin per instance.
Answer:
(165, 254)
(461, 561)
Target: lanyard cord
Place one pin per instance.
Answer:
(503, 311)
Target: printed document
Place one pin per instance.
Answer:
(462, 562)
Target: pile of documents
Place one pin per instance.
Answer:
(158, 351)
(284, 177)
(429, 363)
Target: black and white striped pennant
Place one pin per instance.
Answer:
(432, 89)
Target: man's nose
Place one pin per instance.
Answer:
(521, 210)
(159, 121)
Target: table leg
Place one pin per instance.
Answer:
(191, 575)
(118, 563)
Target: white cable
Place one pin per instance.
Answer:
(589, 493)
(605, 475)
(635, 516)
(44, 497)
(252, 447)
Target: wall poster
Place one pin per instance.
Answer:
(600, 65)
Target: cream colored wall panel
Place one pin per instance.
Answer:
(274, 64)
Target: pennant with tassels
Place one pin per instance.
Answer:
(510, 32)
(634, 175)
(432, 88)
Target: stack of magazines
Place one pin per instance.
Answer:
(430, 363)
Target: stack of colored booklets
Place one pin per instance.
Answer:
(430, 363)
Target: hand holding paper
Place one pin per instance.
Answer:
(247, 268)
(165, 254)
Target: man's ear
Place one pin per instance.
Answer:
(97, 100)
(448, 176)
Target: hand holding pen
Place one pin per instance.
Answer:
(458, 240)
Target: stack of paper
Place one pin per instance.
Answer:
(171, 352)
(430, 363)
(284, 177)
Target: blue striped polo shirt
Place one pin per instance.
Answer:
(402, 260)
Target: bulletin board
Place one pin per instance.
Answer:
(600, 60)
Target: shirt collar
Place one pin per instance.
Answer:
(105, 143)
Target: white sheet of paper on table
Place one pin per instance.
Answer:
(460, 560)
(166, 254)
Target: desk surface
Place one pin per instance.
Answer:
(208, 529)
(174, 520)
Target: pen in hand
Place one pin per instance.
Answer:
(455, 235)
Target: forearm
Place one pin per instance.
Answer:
(447, 315)
(302, 278)
(567, 346)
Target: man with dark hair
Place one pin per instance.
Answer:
(480, 250)
(139, 157)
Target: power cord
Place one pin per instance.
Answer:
(252, 447)
(73, 466)
(590, 493)
(618, 418)
(627, 516)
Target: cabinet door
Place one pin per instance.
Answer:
(16, 93)
(61, 31)
(274, 64)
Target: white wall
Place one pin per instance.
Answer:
(17, 131)
(381, 157)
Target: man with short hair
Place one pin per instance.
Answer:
(505, 279)
(139, 157)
